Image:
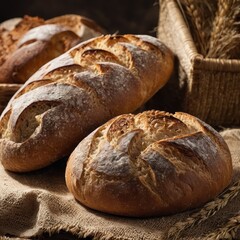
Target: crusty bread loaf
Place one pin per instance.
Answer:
(78, 91)
(12, 30)
(38, 43)
(150, 164)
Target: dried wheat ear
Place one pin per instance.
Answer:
(214, 26)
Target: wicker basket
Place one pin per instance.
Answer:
(6, 92)
(212, 86)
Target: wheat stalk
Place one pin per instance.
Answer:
(214, 25)
(225, 35)
(207, 211)
(229, 231)
(199, 15)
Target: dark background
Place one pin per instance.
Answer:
(115, 16)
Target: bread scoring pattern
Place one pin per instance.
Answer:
(150, 164)
(73, 94)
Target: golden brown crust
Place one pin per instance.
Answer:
(10, 37)
(33, 42)
(78, 91)
(33, 52)
(151, 164)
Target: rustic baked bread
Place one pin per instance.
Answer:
(150, 164)
(38, 42)
(12, 30)
(78, 91)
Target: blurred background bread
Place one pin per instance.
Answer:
(32, 41)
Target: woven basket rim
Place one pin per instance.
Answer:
(214, 64)
(199, 61)
(186, 36)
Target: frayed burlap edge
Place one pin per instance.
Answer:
(74, 230)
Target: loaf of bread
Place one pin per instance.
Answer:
(29, 43)
(150, 164)
(12, 30)
(78, 91)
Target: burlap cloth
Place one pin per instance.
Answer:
(39, 202)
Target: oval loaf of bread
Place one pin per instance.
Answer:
(78, 91)
(42, 42)
(150, 164)
(12, 30)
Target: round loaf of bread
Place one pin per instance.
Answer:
(150, 164)
(71, 95)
